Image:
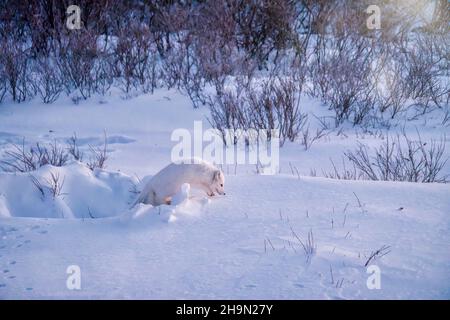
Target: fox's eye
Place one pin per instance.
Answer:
(221, 185)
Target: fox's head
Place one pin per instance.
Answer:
(218, 182)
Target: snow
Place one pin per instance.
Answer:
(245, 245)
(76, 200)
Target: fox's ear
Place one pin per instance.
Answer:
(216, 176)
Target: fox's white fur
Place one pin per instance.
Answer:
(167, 182)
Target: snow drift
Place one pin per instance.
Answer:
(81, 193)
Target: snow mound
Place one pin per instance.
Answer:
(79, 193)
(183, 204)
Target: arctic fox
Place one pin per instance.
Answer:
(166, 183)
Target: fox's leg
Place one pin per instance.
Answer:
(159, 200)
(150, 198)
(146, 198)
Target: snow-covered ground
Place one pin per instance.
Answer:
(245, 245)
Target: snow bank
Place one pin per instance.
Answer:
(82, 193)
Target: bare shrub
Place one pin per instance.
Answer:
(308, 138)
(272, 104)
(73, 148)
(287, 105)
(309, 247)
(3, 82)
(211, 38)
(49, 83)
(446, 117)
(182, 70)
(427, 67)
(192, 45)
(377, 254)
(55, 184)
(39, 186)
(275, 104)
(341, 72)
(343, 174)
(23, 160)
(264, 27)
(417, 161)
(393, 94)
(135, 59)
(346, 80)
(26, 159)
(261, 109)
(103, 76)
(347, 63)
(16, 69)
(99, 155)
(77, 61)
(227, 112)
(2, 89)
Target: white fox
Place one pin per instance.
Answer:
(167, 182)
